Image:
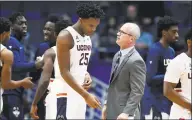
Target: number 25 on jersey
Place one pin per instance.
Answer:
(84, 59)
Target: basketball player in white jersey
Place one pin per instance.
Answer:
(180, 69)
(73, 52)
(6, 60)
(55, 92)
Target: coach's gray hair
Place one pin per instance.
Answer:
(133, 29)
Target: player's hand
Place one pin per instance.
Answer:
(27, 83)
(92, 101)
(39, 63)
(87, 82)
(104, 113)
(39, 58)
(190, 108)
(33, 111)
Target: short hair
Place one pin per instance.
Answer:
(89, 10)
(60, 25)
(164, 24)
(14, 17)
(5, 25)
(53, 18)
(188, 35)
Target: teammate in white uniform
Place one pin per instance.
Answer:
(73, 53)
(6, 60)
(57, 92)
(180, 69)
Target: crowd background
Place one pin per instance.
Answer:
(145, 14)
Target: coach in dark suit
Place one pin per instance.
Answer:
(127, 79)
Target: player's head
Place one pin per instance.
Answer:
(5, 25)
(167, 28)
(49, 28)
(188, 39)
(127, 35)
(19, 24)
(60, 25)
(89, 17)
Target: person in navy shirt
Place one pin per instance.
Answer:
(12, 99)
(158, 57)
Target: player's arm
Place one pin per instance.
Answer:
(49, 58)
(171, 80)
(153, 78)
(64, 44)
(7, 59)
(39, 52)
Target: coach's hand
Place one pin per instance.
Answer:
(92, 101)
(87, 82)
(27, 83)
(33, 112)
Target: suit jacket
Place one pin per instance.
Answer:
(126, 87)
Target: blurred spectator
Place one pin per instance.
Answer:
(109, 33)
(66, 17)
(132, 13)
(95, 43)
(146, 38)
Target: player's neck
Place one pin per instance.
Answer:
(189, 53)
(78, 28)
(163, 42)
(18, 37)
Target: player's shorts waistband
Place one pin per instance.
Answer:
(52, 79)
(61, 94)
(178, 89)
(58, 95)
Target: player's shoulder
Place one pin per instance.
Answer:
(65, 39)
(50, 52)
(13, 42)
(154, 49)
(64, 34)
(178, 59)
(155, 46)
(6, 55)
(5, 52)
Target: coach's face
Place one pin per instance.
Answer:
(49, 31)
(20, 26)
(172, 34)
(124, 39)
(89, 25)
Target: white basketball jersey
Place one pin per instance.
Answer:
(180, 69)
(79, 59)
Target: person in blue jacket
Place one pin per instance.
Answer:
(158, 57)
(12, 99)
